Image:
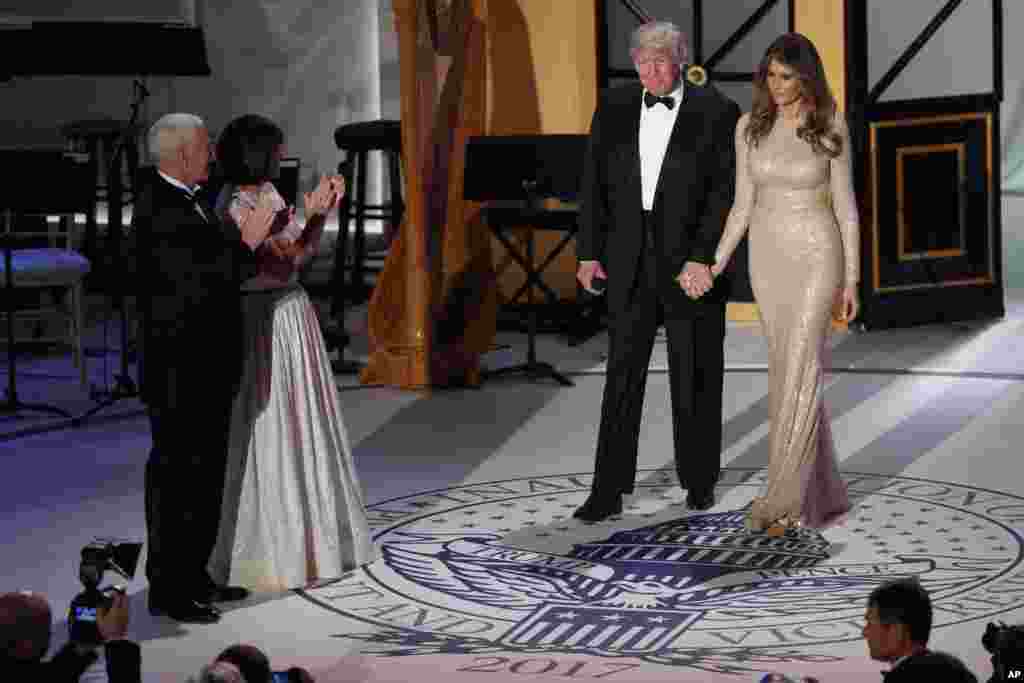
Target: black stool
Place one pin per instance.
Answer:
(357, 140)
(99, 140)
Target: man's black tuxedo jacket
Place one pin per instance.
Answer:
(930, 666)
(190, 271)
(694, 194)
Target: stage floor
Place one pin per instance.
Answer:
(484, 574)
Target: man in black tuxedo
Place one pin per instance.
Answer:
(897, 625)
(190, 268)
(657, 188)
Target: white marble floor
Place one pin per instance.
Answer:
(485, 576)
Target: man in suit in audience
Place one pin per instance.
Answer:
(657, 188)
(897, 625)
(191, 266)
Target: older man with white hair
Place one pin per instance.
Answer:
(657, 188)
(190, 268)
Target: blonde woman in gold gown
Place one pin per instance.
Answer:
(794, 192)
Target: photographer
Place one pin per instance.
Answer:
(25, 634)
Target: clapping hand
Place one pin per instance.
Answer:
(323, 198)
(256, 223)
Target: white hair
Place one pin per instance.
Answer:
(661, 35)
(170, 133)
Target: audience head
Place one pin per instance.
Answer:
(249, 150)
(659, 50)
(898, 620)
(25, 631)
(180, 145)
(220, 672)
(250, 660)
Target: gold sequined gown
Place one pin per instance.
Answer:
(803, 224)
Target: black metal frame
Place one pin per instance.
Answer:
(863, 107)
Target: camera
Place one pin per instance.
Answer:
(97, 558)
(1006, 645)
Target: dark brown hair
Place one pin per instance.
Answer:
(796, 52)
(904, 601)
(245, 150)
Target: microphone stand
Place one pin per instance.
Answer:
(12, 404)
(124, 386)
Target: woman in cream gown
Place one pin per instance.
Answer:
(293, 511)
(794, 191)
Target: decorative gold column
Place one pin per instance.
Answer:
(824, 22)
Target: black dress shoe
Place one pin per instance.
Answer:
(700, 501)
(185, 610)
(225, 594)
(598, 507)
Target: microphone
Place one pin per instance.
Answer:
(599, 284)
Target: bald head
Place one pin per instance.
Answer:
(24, 625)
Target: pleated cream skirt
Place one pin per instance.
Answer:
(293, 512)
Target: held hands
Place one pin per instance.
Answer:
(718, 267)
(586, 273)
(695, 279)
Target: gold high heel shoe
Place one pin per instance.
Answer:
(758, 519)
(780, 526)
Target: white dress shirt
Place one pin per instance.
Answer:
(185, 188)
(656, 124)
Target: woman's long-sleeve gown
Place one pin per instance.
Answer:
(803, 225)
(293, 510)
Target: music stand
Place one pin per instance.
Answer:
(156, 49)
(515, 174)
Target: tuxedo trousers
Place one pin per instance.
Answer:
(696, 364)
(183, 492)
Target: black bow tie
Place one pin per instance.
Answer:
(651, 100)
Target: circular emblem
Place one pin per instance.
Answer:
(696, 74)
(503, 567)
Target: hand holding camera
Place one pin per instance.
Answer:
(99, 614)
(112, 619)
